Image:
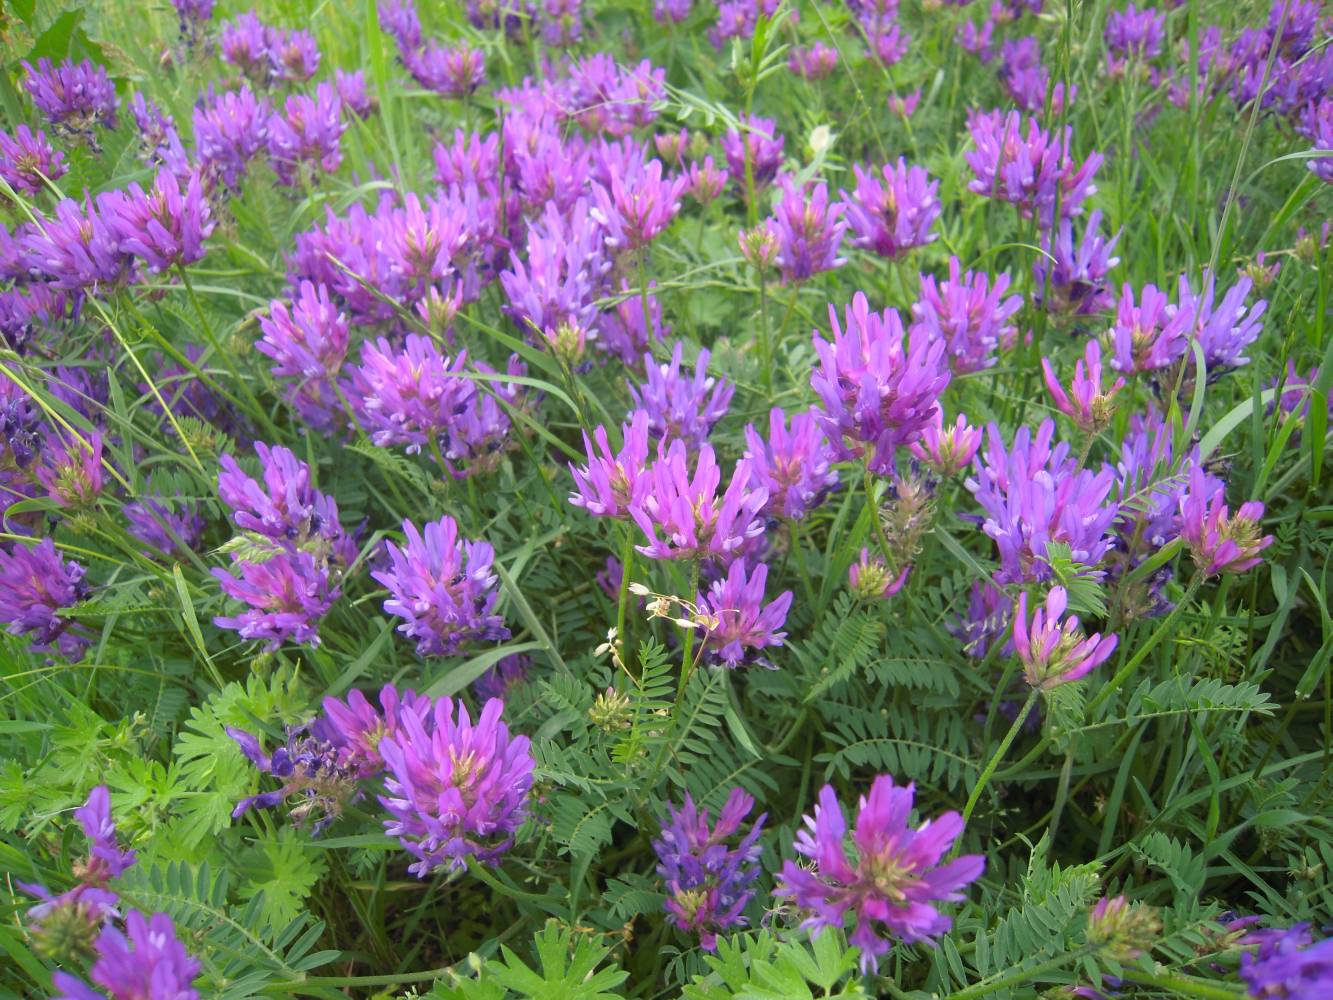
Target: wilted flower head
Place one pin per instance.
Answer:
(795, 466)
(354, 727)
(1123, 930)
(1028, 167)
(146, 962)
(28, 161)
(680, 405)
(756, 143)
(455, 789)
(809, 230)
(613, 481)
(74, 96)
(709, 880)
(314, 769)
(1053, 649)
(969, 313)
(870, 578)
(876, 391)
(443, 588)
(36, 585)
(947, 450)
(892, 880)
(739, 624)
(893, 214)
(1086, 403)
(1219, 541)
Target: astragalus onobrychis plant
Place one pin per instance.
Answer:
(582, 499)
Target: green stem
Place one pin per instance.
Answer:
(994, 762)
(479, 871)
(687, 655)
(765, 347)
(875, 521)
(989, 986)
(798, 545)
(1187, 985)
(626, 566)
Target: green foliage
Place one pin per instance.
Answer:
(568, 969)
(762, 967)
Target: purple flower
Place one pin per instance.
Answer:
(306, 137)
(146, 962)
(694, 522)
(705, 181)
(285, 508)
(709, 879)
(449, 72)
(410, 396)
(106, 860)
(456, 789)
(443, 588)
(1034, 494)
(501, 679)
(813, 63)
(870, 578)
(471, 159)
(738, 19)
(893, 879)
(1054, 651)
(65, 926)
(317, 765)
(986, 623)
(193, 15)
(71, 468)
(1077, 275)
(737, 621)
(1224, 330)
(809, 231)
(1319, 126)
(969, 314)
(73, 96)
(1219, 541)
(308, 343)
(293, 56)
(1144, 337)
(794, 467)
(947, 451)
(1090, 408)
(623, 331)
(482, 432)
(35, 586)
(1031, 169)
(229, 131)
(1289, 967)
(159, 143)
(28, 161)
(167, 527)
(355, 728)
(892, 215)
(77, 249)
(165, 227)
(681, 406)
(877, 392)
(755, 143)
(638, 207)
(1134, 32)
(612, 482)
(287, 596)
(562, 21)
(244, 43)
(1025, 78)
(671, 10)
(352, 91)
(399, 19)
(904, 107)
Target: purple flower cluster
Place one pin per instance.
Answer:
(1072, 280)
(794, 466)
(754, 150)
(294, 550)
(28, 161)
(877, 393)
(738, 622)
(304, 140)
(709, 879)
(308, 343)
(144, 962)
(680, 406)
(443, 588)
(455, 789)
(892, 880)
(36, 586)
(1051, 647)
(230, 130)
(1220, 541)
(1286, 966)
(73, 97)
(268, 55)
(613, 482)
(969, 314)
(891, 215)
(809, 231)
(1028, 167)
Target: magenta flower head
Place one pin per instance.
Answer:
(76, 249)
(1144, 337)
(1219, 541)
(877, 392)
(287, 595)
(947, 450)
(809, 231)
(1077, 274)
(443, 588)
(399, 20)
(229, 131)
(891, 882)
(681, 406)
(450, 72)
(146, 962)
(1288, 967)
(356, 728)
(1029, 168)
(306, 137)
(709, 872)
(507, 676)
(1085, 403)
(1224, 329)
(637, 206)
(243, 42)
(285, 508)
(71, 468)
(165, 227)
(308, 344)
(612, 482)
(756, 143)
(893, 212)
(969, 313)
(409, 396)
(106, 860)
(36, 585)
(1054, 651)
(705, 181)
(1319, 128)
(813, 63)
(1134, 32)
(455, 789)
(353, 92)
(28, 161)
(795, 466)
(72, 96)
(870, 579)
(759, 245)
(738, 623)
(684, 518)
(293, 56)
